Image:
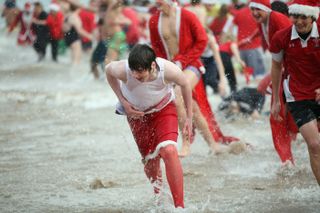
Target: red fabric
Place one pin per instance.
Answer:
(263, 2)
(191, 46)
(192, 39)
(26, 34)
(264, 84)
(174, 174)
(283, 132)
(277, 21)
(217, 25)
(132, 34)
(200, 97)
(247, 71)
(88, 22)
(155, 128)
(301, 64)
(54, 23)
(226, 47)
(246, 28)
(310, 3)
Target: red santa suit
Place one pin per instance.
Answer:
(284, 131)
(24, 18)
(192, 41)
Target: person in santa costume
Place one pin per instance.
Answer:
(284, 131)
(176, 34)
(26, 34)
(297, 49)
(146, 97)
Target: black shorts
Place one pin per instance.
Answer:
(304, 111)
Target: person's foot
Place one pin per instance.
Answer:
(185, 150)
(238, 147)
(218, 149)
(41, 57)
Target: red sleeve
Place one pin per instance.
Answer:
(199, 37)
(276, 42)
(264, 84)
(155, 39)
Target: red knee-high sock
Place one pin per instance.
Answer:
(174, 174)
(154, 174)
(200, 96)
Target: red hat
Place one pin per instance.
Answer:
(305, 7)
(261, 4)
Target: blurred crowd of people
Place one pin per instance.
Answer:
(107, 29)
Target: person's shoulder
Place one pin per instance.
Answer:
(284, 33)
(277, 15)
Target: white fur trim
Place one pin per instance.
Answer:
(304, 10)
(260, 6)
(160, 145)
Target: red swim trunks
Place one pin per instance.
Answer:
(155, 130)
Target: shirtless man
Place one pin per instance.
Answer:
(177, 35)
(146, 97)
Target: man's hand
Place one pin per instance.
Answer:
(275, 109)
(187, 129)
(131, 111)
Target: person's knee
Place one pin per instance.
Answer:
(168, 151)
(314, 146)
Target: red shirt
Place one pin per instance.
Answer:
(302, 64)
(277, 21)
(88, 22)
(226, 47)
(246, 27)
(132, 34)
(55, 22)
(217, 25)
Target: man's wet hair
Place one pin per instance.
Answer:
(141, 57)
(280, 7)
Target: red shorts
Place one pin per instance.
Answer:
(155, 130)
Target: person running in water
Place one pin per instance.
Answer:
(176, 34)
(146, 96)
(285, 131)
(297, 49)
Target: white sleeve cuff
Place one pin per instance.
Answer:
(277, 56)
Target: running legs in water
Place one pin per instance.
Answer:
(174, 173)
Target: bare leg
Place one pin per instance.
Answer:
(202, 126)
(311, 135)
(76, 52)
(193, 80)
(94, 70)
(174, 173)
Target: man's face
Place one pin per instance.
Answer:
(141, 75)
(259, 15)
(302, 23)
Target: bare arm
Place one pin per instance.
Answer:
(115, 72)
(175, 75)
(236, 54)
(76, 22)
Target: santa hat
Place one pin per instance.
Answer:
(305, 7)
(54, 7)
(261, 4)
